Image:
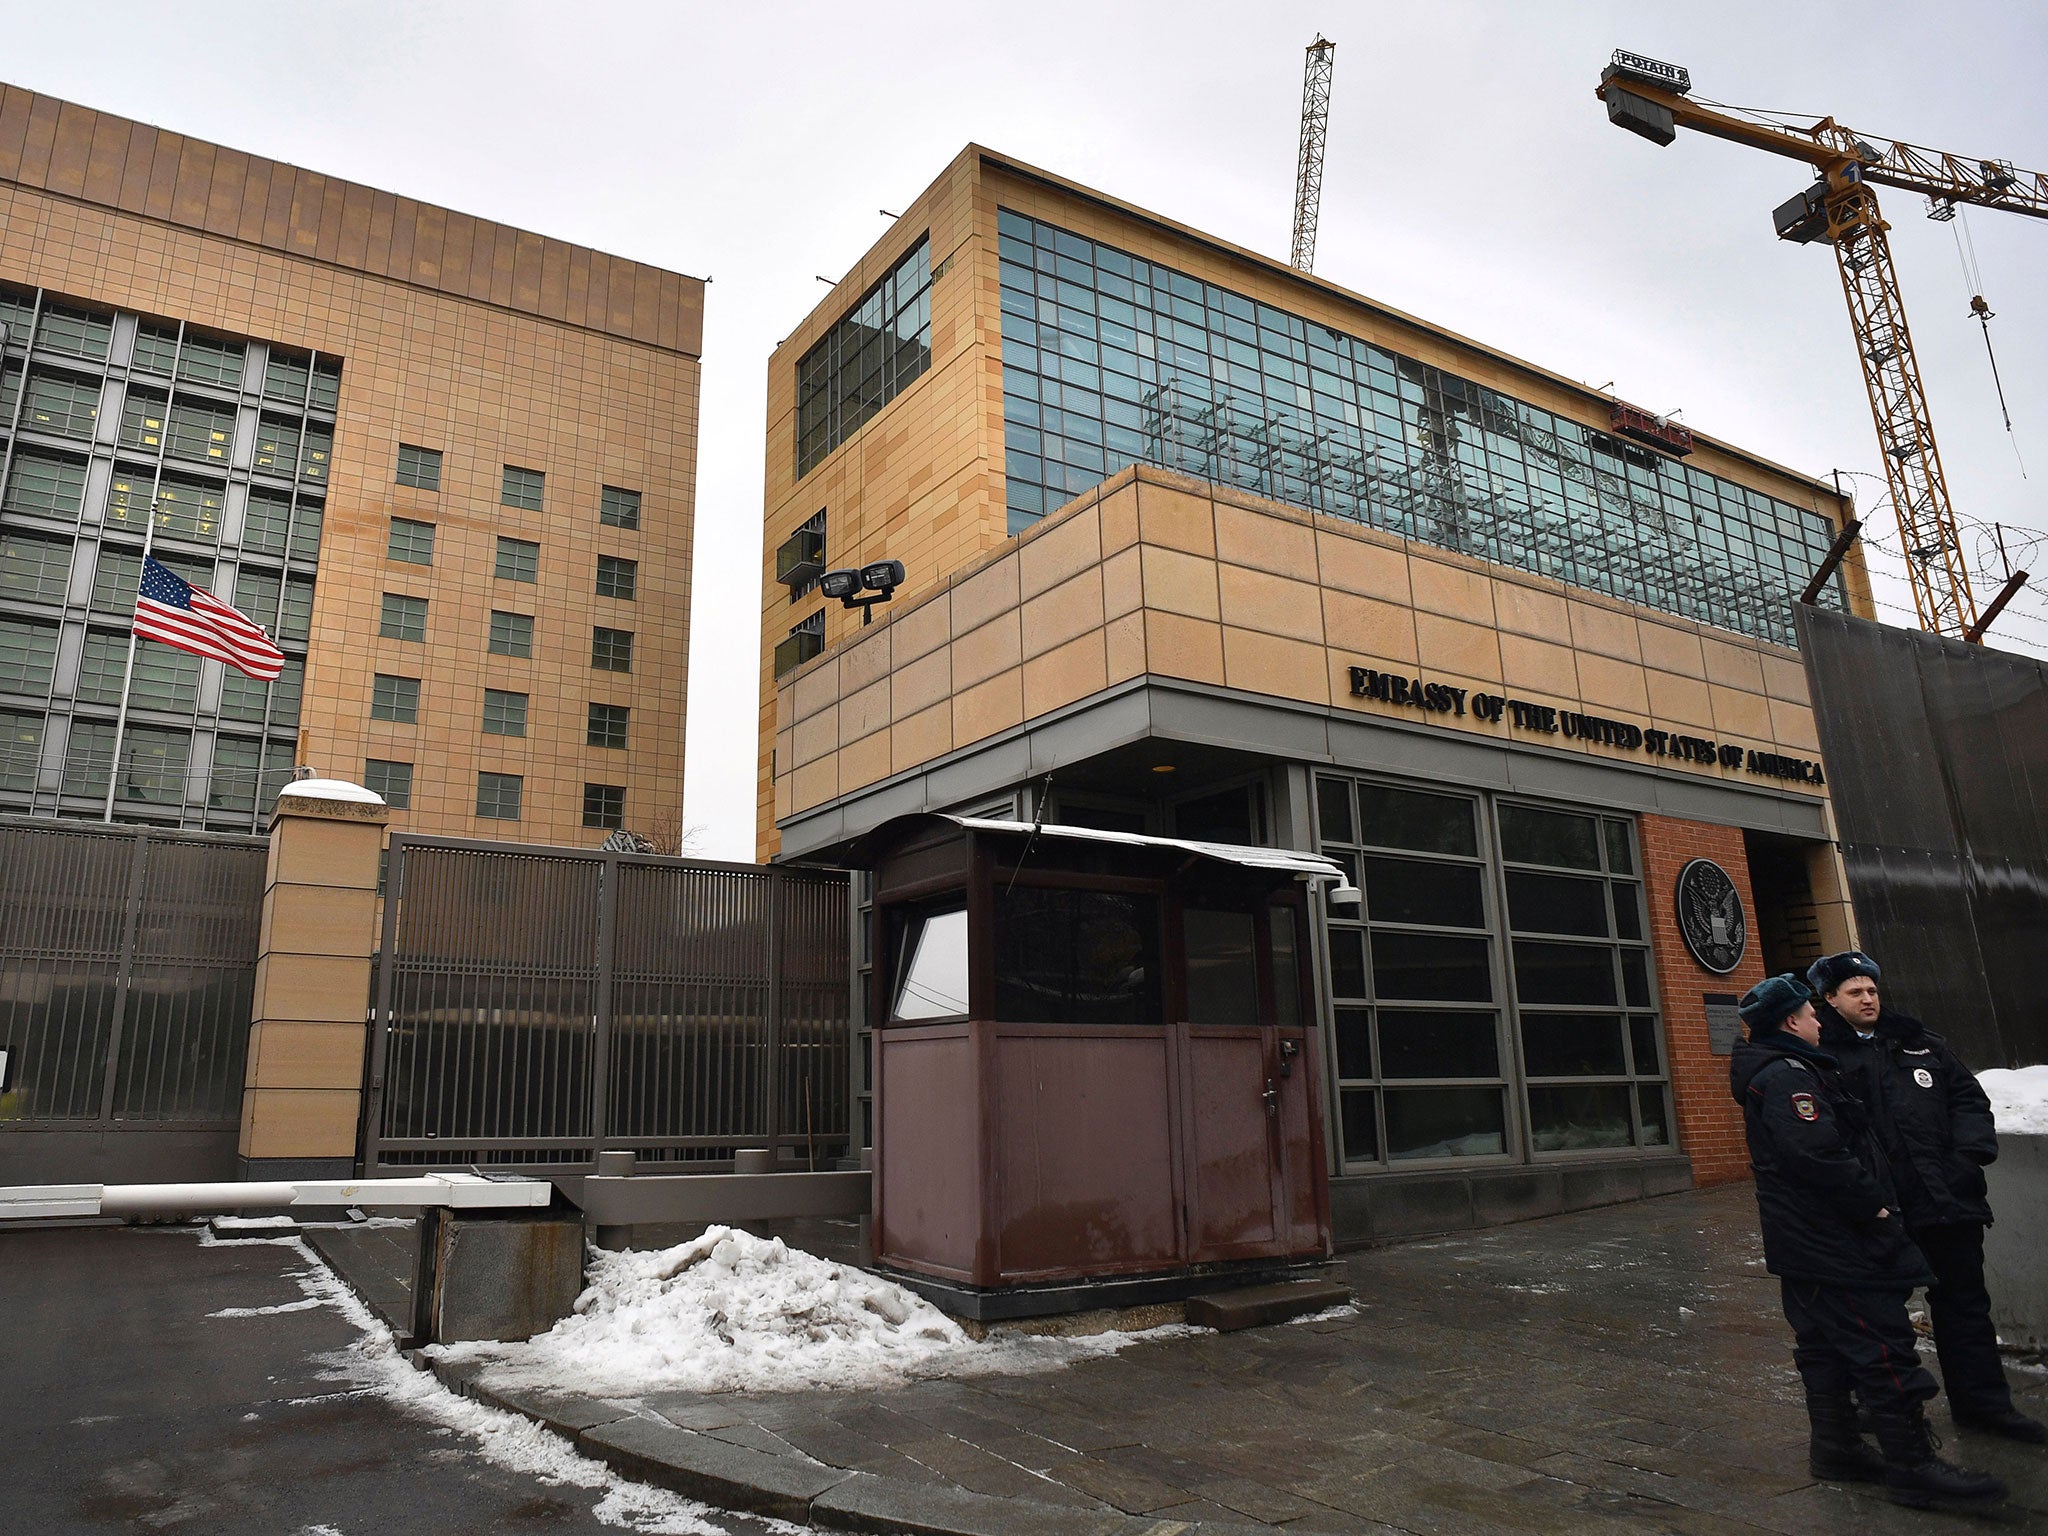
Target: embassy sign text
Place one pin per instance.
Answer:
(1549, 720)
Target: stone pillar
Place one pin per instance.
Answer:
(303, 1087)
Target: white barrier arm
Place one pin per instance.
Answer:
(461, 1191)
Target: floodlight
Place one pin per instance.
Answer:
(840, 584)
(882, 576)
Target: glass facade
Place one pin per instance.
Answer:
(1110, 360)
(102, 413)
(1493, 996)
(861, 364)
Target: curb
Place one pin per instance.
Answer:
(795, 1488)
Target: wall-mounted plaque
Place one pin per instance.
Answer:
(1710, 918)
(1724, 1023)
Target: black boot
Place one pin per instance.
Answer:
(1838, 1453)
(2007, 1421)
(1914, 1475)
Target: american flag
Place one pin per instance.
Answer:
(174, 611)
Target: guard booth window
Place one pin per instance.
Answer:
(1076, 956)
(1592, 1043)
(1420, 1065)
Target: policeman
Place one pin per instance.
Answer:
(1844, 1262)
(1935, 1125)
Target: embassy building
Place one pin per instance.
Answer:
(1200, 546)
(448, 464)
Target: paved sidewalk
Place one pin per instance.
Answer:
(1624, 1369)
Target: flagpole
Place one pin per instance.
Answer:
(128, 675)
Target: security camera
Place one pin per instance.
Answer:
(840, 584)
(882, 576)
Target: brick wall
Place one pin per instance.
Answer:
(1709, 1121)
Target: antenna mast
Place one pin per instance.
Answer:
(1315, 127)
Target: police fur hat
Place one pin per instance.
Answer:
(1828, 973)
(1772, 1001)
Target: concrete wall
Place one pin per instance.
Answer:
(2016, 1246)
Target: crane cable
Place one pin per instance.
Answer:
(1973, 279)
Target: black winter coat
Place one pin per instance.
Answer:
(1931, 1117)
(1821, 1178)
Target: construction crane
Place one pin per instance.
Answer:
(1308, 175)
(1651, 98)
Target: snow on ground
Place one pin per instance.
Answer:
(2019, 1098)
(729, 1311)
(374, 1366)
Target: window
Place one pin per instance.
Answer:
(231, 785)
(202, 432)
(319, 455)
(1070, 956)
(156, 347)
(391, 780)
(404, 618)
(611, 650)
(58, 403)
(931, 966)
(604, 805)
(75, 331)
(45, 486)
(522, 488)
(511, 634)
(504, 713)
(1110, 359)
(153, 764)
(326, 392)
(285, 376)
(28, 656)
(617, 508)
(616, 577)
(165, 678)
(1421, 1069)
(264, 524)
(34, 570)
(411, 543)
(17, 313)
(498, 796)
(258, 593)
(186, 509)
(306, 530)
(395, 698)
(206, 361)
(1591, 1037)
(607, 725)
(864, 361)
(419, 467)
(88, 757)
(518, 560)
(806, 639)
(277, 447)
(21, 749)
(800, 559)
(295, 619)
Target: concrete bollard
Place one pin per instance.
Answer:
(2016, 1245)
(753, 1160)
(489, 1275)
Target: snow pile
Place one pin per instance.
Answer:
(733, 1312)
(2019, 1098)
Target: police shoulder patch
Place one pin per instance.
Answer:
(1803, 1106)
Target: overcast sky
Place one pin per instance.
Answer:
(1472, 180)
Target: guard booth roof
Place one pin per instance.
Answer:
(1281, 860)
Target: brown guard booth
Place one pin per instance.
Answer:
(1096, 1079)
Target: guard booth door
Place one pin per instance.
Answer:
(1249, 1127)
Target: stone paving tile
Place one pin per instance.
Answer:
(1531, 1380)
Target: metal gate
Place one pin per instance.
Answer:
(127, 964)
(536, 1005)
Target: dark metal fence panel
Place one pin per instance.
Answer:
(1937, 759)
(127, 964)
(538, 1005)
(491, 1015)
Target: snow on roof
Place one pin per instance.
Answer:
(332, 789)
(1289, 859)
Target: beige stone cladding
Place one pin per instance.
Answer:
(491, 345)
(1154, 574)
(922, 481)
